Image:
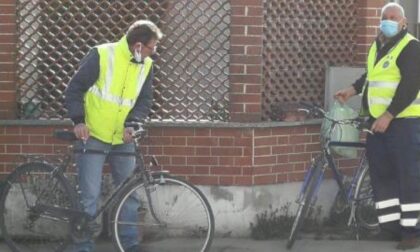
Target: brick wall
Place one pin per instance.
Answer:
(7, 59)
(222, 154)
(368, 21)
(246, 59)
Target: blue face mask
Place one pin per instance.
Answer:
(389, 28)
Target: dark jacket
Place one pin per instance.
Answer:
(409, 64)
(86, 76)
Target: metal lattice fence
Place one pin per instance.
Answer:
(191, 73)
(302, 38)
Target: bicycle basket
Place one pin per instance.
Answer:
(341, 133)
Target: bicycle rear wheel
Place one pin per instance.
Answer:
(27, 192)
(365, 205)
(171, 214)
(316, 171)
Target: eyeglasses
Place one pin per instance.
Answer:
(151, 48)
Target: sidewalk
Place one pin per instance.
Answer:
(248, 245)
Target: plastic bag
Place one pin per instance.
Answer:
(341, 133)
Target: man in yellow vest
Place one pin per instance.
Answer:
(391, 97)
(112, 86)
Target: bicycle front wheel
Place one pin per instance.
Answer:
(165, 215)
(305, 203)
(26, 224)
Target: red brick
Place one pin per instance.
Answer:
(202, 132)
(262, 170)
(237, 50)
(7, 19)
(256, 69)
(224, 141)
(266, 179)
(299, 157)
(283, 168)
(41, 149)
(283, 140)
(265, 141)
(226, 151)
(178, 132)
(298, 139)
(202, 151)
(254, 11)
(153, 150)
(243, 180)
(246, 2)
(253, 89)
(283, 149)
(237, 69)
(242, 78)
(281, 178)
(299, 148)
(312, 147)
(237, 30)
(282, 159)
(178, 151)
(226, 180)
(178, 141)
(178, 160)
(238, 10)
(36, 139)
(202, 170)
(243, 59)
(13, 149)
(14, 139)
(231, 170)
(282, 130)
(224, 161)
(226, 132)
(159, 140)
(12, 130)
(261, 151)
(243, 161)
(202, 141)
(202, 161)
(254, 50)
(180, 169)
(265, 160)
(204, 180)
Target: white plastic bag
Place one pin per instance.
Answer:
(341, 133)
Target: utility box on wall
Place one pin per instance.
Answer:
(338, 78)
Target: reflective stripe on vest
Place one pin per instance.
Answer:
(383, 79)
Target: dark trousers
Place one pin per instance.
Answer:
(394, 161)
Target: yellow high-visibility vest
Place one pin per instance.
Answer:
(109, 101)
(384, 78)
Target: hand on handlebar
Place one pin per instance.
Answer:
(81, 131)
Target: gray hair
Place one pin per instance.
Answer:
(393, 5)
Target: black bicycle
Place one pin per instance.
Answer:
(40, 209)
(355, 194)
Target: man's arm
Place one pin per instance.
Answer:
(144, 102)
(409, 64)
(358, 85)
(85, 77)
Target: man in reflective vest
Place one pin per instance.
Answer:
(391, 97)
(112, 86)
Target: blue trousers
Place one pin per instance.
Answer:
(90, 168)
(394, 161)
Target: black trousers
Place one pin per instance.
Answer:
(394, 161)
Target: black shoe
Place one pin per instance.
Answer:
(409, 243)
(135, 248)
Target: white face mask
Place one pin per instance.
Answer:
(137, 56)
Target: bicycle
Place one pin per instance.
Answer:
(40, 210)
(356, 194)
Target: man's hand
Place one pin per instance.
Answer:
(81, 131)
(344, 94)
(128, 135)
(381, 124)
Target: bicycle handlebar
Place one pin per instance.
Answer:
(359, 123)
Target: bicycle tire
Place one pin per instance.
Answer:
(365, 211)
(26, 228)
(304, 205)
(174, 213)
